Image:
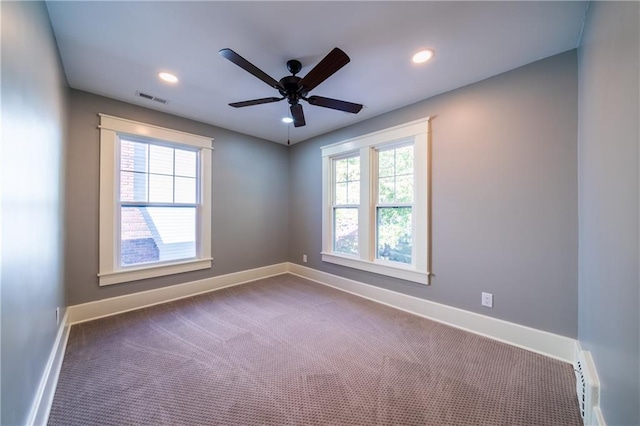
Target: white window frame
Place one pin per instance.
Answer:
(415, 133)
(111, 130)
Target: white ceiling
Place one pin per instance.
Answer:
(116, 49)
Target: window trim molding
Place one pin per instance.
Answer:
(377, 267)
(110, 130)
(417, 133)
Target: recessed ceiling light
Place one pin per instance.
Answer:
(422, 56)
(168, 77)
(287, 120)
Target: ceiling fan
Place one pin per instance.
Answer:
(293, 88)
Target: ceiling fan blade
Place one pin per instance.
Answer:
(297, 115)
(249, 67)
(331, 63)
(334, 104)
(254, 102)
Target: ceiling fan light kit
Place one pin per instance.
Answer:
(294, 88)
(422, 56)
(168, 77)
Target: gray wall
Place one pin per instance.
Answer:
(504, 196)
(250, 216)
(33, 137)
(608, 202)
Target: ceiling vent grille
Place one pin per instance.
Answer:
(151, 97)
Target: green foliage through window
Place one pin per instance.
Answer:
(395, 175)
(394, 226)
(346, 230)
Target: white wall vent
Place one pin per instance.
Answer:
(587, 388)
(151, 97)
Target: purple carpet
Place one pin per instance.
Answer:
(287, 351)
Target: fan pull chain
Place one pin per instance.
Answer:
(288, 130)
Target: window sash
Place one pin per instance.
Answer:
(345, 241)
(378, 232)
(149, 143)
(169, 247)
(335, 182)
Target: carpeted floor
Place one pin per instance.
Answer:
(286, 351)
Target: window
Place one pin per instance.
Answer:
(375, 202)
(155, 203)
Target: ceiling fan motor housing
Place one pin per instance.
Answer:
(290, 88)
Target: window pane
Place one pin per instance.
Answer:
(341, 170)
(394, 231)
(341, 193)
(157, 234)
(185, 163)
(353, 192)
(386, 189)
(353, 168)
(395, 175)
(345, 226)
(404, 189)
(386, 165)
(185, 190)
(347, 181)
(133, 156)
(160, 160)
(133, 186)
(404, 160)
(160, 189)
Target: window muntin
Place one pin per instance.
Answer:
(155, 201)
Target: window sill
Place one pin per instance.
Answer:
(400, 272)
(152, 271)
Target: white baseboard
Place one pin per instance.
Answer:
(116, 305)
(542, 342)
(39, 414)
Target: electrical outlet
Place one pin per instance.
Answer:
(304, 258)
(58, 316)
(487, 300)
